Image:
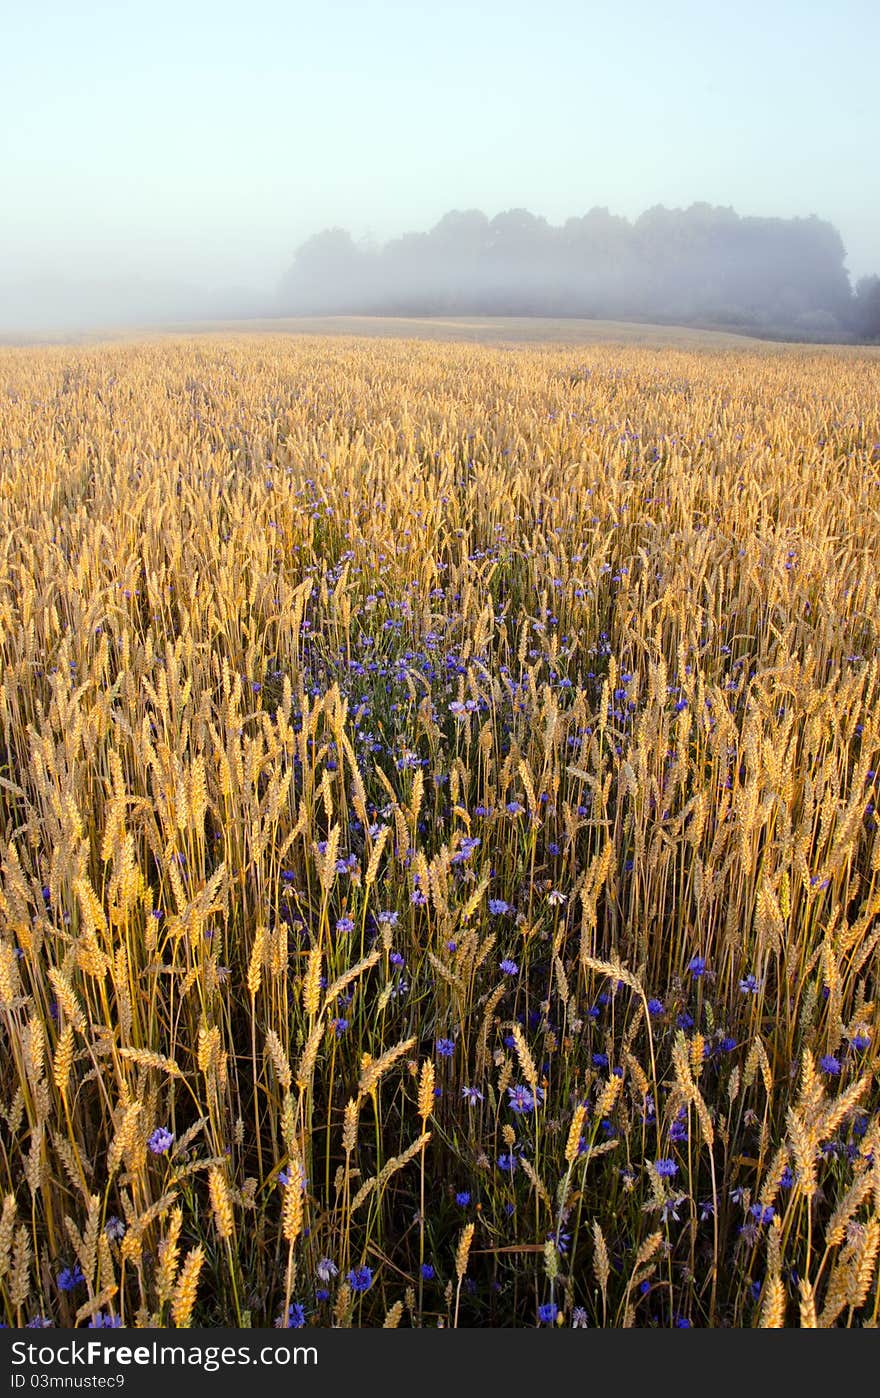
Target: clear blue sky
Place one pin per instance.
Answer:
(209, 138)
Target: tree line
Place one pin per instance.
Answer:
(704, 265)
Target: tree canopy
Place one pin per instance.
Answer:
(701, 265)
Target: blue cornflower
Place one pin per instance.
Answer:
(427, 1271)
(515, 808)
(360, 1278)
(472, 1095)
(750, 985)
(509, 967)
(445, 1048)
(600, 1060)
(671, 1207)
(666, 1169)
(345, 924)
(70, 1278)
(295, 1320)
(100, 1321)
(678, 1131)
(521, 1100)
(655, 1007)
(497, 906)
(763, 1213)
(396, 959)
(697, 966)
(830, 1065)
(548, 1312)
(160, 1141)
(340, 1026)
(507, 1162)
(321, 1293)
(326, 1269)
(860, 1041)
(388, 918)
(463, 1198)
(682, 1322)
(786, 1179)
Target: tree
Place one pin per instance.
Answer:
(328, 273)
(704, 265)
(866, 309)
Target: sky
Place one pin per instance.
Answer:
(201, 141)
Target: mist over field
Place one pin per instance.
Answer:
(59, 303)
(209, 164)
(702, 264)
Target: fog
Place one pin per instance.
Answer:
(174, 162)
(701, 265)
(54, 304)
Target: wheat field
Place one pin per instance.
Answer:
(439, 870)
